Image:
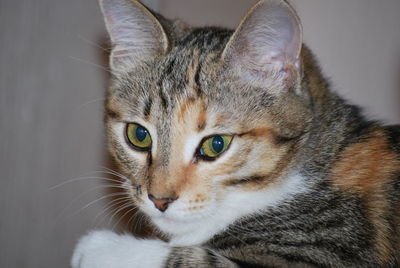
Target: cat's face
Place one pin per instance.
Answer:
(201, 139)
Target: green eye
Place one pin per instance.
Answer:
(214, 146)
(138, 136)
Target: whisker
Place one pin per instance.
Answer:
(118, 210)
(81, 179)
(93, 43)
(120, 218)
(97, 200)
(90, 102)
(106, 210)
(133, 216)
(91, 63)
(140, 221)
(81, 195)
(113, 172)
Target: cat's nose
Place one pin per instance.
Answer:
(161, 203)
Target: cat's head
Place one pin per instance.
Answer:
(206, 122)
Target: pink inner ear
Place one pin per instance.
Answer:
(268, 40)
(277, 35)
(293, 36)
(135, 33)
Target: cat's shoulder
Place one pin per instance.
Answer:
(370, 163)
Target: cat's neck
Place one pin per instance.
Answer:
(335, 122)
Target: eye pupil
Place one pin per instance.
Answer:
(218, 144)
(141, 133)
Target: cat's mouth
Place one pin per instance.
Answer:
(178, 212)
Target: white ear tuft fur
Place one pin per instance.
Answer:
(135, 33)
(268, 40)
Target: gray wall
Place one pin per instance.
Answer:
(50, 127)
(51, 90)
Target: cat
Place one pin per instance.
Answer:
(238, 152)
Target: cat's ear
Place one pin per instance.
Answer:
(267, 42)
(136, 35)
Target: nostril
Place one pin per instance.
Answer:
(161, 203)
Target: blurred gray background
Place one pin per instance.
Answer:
(52, 80)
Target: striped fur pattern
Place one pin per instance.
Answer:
(306, 182)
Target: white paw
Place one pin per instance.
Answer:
(105, 249)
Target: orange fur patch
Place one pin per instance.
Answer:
(184, 109)
(257, 132)
(202, 118)
(364, 169)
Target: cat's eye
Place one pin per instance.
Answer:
(138, 137)
(214, 146)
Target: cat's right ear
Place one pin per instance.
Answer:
(136, 35)
(267, 45)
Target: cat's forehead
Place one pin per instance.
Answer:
(191, 63)
(173, 82)
(181, 87)
(191, 70)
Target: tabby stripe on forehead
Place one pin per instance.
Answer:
(164, 100)
(197, 78)
(207, 40)
(193, 73)
(147, 107)
(165, 73)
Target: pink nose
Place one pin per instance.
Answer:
(161, 203)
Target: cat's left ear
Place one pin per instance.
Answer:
(267, 43)
(136, 35)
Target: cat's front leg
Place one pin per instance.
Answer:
(105, 249)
